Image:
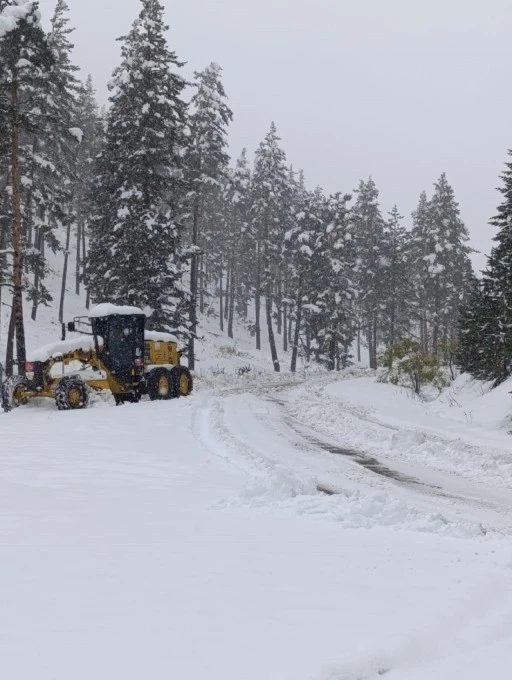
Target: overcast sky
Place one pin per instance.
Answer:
(395, 89)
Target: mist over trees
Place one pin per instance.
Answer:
(155, 213)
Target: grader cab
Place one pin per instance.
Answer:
(114, 352)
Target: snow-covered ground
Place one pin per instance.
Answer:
(192, 538)
(313, 527)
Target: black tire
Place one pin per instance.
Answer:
(159, 384)
(182, 379)
(71, 394)
(11, 390)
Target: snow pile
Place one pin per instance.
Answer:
(84, 343)
(244, 378)
(156, 336)
(107, 309)
(351, 510)
(278, 488)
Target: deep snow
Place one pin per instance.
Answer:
(141, 542)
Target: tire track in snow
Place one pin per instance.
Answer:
(238, 430)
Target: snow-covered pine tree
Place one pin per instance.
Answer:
(213, 270)
(297, 192)
(135, 255)
(62, 138)
(449, 271)
(320, 255)
(396, 276)
(299, 244)
(238, 239)
(369, 234)
(483, 350)
(91, 124)
(270, 191)
(206, 164)
(418, 264)
(334, 282)
(485, 333)
(25, 62)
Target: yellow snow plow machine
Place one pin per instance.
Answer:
(113, 352)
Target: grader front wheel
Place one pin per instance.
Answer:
(14, 392)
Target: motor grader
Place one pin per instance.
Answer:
(113, 352)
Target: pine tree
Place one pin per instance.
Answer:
(369, 232)
(206, 164)
(91, 124)
(418, 263)
(25, 62)
(336, 285)
(449, 270)
(482, 348)
(136, 254)
(63, 136)
(298, 244)
(239, 245)
(396, 312)
(270, 189)
(485, 328)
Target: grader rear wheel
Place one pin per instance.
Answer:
(182, 379)
(71, 394)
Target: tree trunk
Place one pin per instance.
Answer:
(9, 353)
(271, 337)
(4, 226)
(79, 228)
(221, 303)
(65, 270)
(193, 287)
(308, 341)
(279, 305)
(332, 354)
(37, 273)
(285, 327)
(298, 319)
(228, 288)
(16, 228)
(84, 268)
(232, 294)
(257, 298)
(369, 336)
(201, 283)
(374, 343)
(28, 225)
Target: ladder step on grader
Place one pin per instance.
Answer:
(113, 352)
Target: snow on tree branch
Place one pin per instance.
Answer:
(11, 16)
